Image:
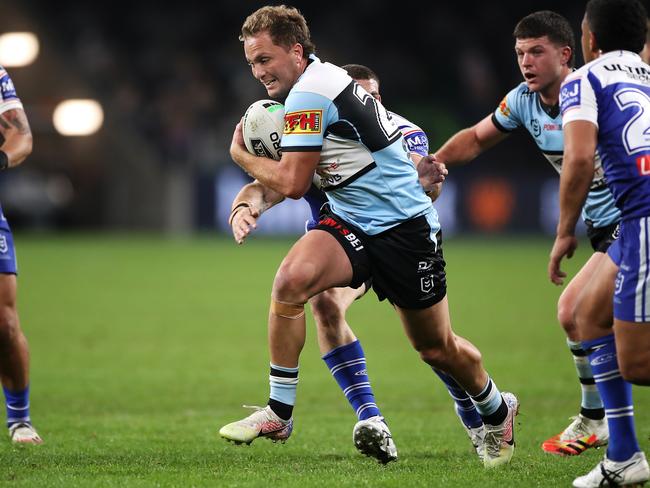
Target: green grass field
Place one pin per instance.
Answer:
(143, 347)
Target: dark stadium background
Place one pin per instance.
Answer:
(172, 81)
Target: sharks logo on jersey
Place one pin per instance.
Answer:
(523, 108)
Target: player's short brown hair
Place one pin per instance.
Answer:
(285, 25)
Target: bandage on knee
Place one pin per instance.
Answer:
(287, 310)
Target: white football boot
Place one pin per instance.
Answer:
(499, 440)
(262, 423)
(372, 438)
(633, 472)
(24, 433)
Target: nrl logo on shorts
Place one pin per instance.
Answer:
(426, 284)
(3, 244)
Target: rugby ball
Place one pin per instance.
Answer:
(263, 126)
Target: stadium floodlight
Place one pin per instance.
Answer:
(78, 117)
(18, 49)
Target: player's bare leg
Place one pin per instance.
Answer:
(633, 350)
(431, 335)
(14, 352)
(329, 308)
(568, 299)
(14, 365)
(589, 428)
(429, 330)
(594, 308)
(315, 263)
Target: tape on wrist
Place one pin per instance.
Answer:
(236, 208)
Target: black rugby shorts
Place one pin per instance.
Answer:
(602, 237)
(406, 266)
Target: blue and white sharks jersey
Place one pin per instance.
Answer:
(613, 93)
(416, 142)
(364, 166)
(8, 100)
(523, 108)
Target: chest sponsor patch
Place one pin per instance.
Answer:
(303, 122)
(570, 95)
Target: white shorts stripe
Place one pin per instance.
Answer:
(640, 297)
(644, 265)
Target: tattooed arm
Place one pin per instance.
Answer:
(17, 135)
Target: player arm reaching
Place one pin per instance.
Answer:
(580, 138)
(469, 143)
(251, 201)
(17, 135)
(464, 146)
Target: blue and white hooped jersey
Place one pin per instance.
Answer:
(416, 142)
(8, 100)
(523, 108)
(613, 93)
(364, 166)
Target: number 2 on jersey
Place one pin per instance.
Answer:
(387, 126)
(636, 133)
